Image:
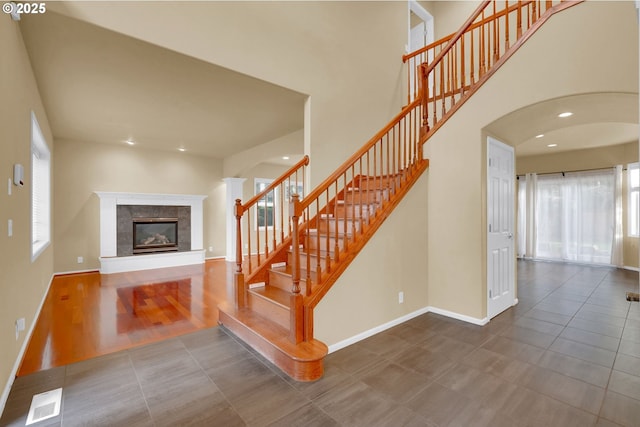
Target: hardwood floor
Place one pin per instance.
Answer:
(89, 315)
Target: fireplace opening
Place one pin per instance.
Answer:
(155, 235)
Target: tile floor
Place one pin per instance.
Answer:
(567, 355)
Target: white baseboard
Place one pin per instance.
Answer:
(64, 273)
(25, 343)
(458, 316)
(626, 267)
(366, 334)
(429, 309)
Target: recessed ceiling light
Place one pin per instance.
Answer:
(565, 114)
(182, 149)
(540, 136)
(552, 145)
(285, 157)
(130, 141)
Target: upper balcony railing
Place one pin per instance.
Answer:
(464, 57)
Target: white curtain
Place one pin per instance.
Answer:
(521, 218)
(617, 244)
(574, 216)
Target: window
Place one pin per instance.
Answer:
(40, 191)
(575, 216)
(633, 177)
(265, 215)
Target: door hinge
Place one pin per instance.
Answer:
(490, 294)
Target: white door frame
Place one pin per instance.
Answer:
(500, 227)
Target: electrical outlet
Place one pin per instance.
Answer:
(210, 248)
(80, 260)
(20, 325)
(400, 297)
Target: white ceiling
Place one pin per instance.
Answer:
(599, 119)
(101, 86)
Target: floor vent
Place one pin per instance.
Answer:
(44, 405)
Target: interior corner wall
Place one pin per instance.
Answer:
(85, 167)
(557, 61)
(23, 283)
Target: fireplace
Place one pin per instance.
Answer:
(117, 211)
(155, 235)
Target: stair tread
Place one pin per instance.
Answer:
(276, 295)
(276, 334)
(288, 271)
(331, 233)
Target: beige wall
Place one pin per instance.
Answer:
(555, 62)
(83, 168)
(595, 158)
(345, 55)
(23, 283)
(450, 15)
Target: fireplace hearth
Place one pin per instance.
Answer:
(155, 235)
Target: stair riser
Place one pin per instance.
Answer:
(372, 196)
(269, 310)
(284, 282)
(350, 211)
(322, 241)
(313, 261)
(342, 225)
(372, 182)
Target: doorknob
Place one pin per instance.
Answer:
(510, 235)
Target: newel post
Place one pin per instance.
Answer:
(238, 276)
(296, 324)
(424, 90)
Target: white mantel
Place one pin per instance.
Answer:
(111, 263)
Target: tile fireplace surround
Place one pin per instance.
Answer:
(111, 263)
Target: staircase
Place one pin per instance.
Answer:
(293, 244)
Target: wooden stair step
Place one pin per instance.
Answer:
(354, 210)
(320, 240)
(302, 362)
(281, 277)
(271, 302)
(331, 223)
(364, 195)
(276, 295)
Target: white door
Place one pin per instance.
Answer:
(500, 224)
(418, 40)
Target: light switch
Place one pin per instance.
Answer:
(10, 227)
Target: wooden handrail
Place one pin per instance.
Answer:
(252, 201)
(482, 30)
(445, 81)
(358, 154)
(263, 241)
